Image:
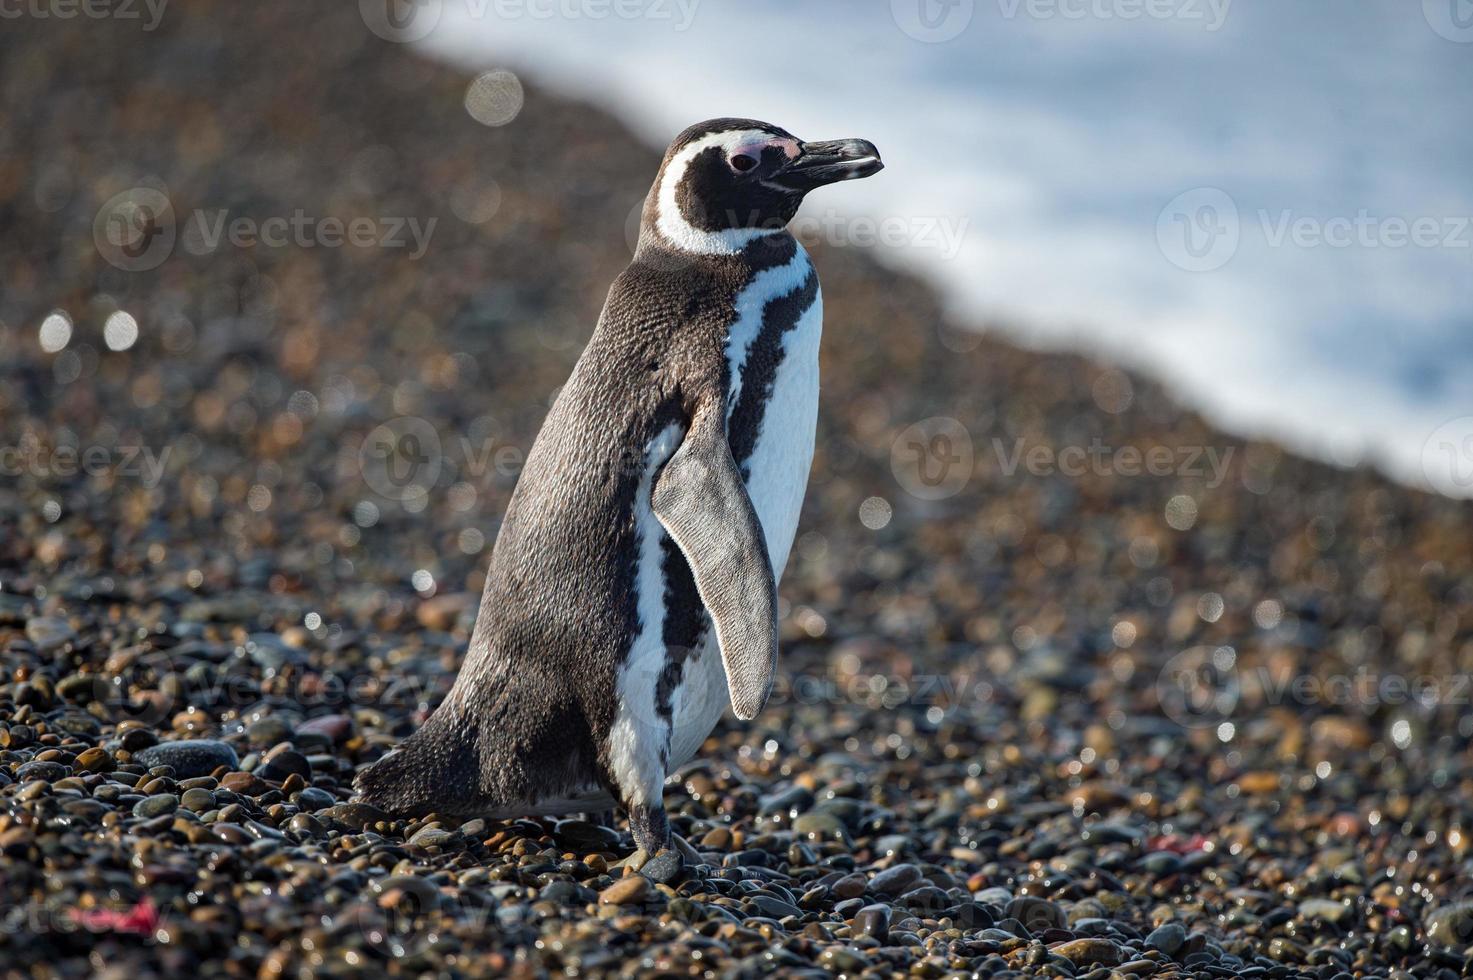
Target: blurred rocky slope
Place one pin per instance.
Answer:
(1056, 629)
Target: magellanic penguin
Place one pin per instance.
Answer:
(633, 586)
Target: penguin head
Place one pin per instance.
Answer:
(725, 182)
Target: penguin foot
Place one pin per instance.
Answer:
(652, 834)
(650, 827)
(689, 856)
(635, 861)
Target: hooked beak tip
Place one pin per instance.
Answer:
(831, 161)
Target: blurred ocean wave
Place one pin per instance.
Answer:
(1266, 205)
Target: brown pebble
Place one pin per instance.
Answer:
(1089, 952)
(626, 891)
(716, 839)
(96, 759)
(1259, 783)
(244, 783)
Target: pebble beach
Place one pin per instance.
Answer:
(1071, 685)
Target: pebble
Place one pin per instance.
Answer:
(1036, 914)
(1450, 926)
(244, 783)
(1169, 937)
(819, 826)
(157, 805)
(48, 633)
(665, 868)
(1088, 952)
(356, 815)
(335, 728)
(188, 757)
(894, 880)
(278, 766)
(873, 921)
(1325, 910)
(432, 837)
(96, 759)
(626, 891)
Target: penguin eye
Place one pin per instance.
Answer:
(741, 163)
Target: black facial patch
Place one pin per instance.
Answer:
(712, 197)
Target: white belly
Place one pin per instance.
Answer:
(643, 746)
(777, 477)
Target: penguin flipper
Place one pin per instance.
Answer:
(700, 499)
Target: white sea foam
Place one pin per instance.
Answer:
(1076, 143)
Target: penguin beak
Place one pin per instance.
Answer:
(827, 162)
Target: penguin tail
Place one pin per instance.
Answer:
(434, 770)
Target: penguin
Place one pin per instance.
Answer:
(632, 588)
